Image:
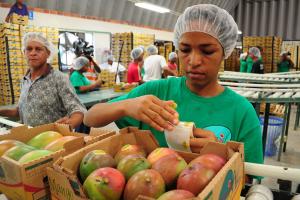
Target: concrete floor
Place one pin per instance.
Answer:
(290, 158)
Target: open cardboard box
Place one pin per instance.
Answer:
(29, 181)
(65, 184)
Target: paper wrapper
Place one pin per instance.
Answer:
(179, 138)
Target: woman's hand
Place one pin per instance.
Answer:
(151, 110)
(202, 137)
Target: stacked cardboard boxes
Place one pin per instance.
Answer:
(19, 19)
(130, 41)
(11, 63)
(270, 50)
(232, 62)
(108, 77)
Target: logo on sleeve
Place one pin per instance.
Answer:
(222, 133)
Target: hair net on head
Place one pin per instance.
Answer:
(136, 53)
(80, 62)
(110, 57)
(255, 51)
(38, 37)
(243, 56)
(209, 19)
(172, 55)
(152, 50)
(283, 53)
(142, 47)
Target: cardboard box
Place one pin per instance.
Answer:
(29, 181)
(65, 185)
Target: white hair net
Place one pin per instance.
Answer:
(152, 50)
(172, 55)
(80, 62)
(283, 53)
(255, 51)
(243, 56)
(142, 47)
(136, 53)
(38, 37)
(209, 19)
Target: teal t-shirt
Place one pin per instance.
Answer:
(249, 61)
(229, 115)
(77, 79)
(283, 66)
(243, 66)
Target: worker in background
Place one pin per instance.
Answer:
(142, 64)
(154, 65)
(258, 66)
(93, 71)
(243, 62)
(205, 35)
(285, 63)
(112, 67)
(19, 8)
(46, 94)
(134, 68)
(172, 65)
(78, 80)
(249, 62)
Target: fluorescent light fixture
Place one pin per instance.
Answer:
(152, 7)
(239, 32)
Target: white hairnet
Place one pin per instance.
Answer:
(136, 53)
(38, 37)
(283, 53)
(243, 56)
(209, 19)
(152, 50)
(172, 55)
(255, 51)
(80, 62)
(110, 57)
(142, 47)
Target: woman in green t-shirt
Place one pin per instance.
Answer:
(78, 80)
(205, 35)
(285, 63)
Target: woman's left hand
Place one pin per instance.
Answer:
(202, 137)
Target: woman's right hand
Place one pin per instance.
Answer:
(151, 110)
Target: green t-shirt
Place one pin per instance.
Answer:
(77, 79)
(249, 61)
(229, 115)
(243, 66)
(283, 66)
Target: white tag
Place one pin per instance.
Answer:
(179, 138)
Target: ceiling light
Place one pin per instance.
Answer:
(152, 7)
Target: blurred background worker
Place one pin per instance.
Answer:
(243, 62)
(134, 68)
(154, 64)
(114, 67)
(78, 80)
(172, 65)
(257, 67)
(285, 63)
(19, 8)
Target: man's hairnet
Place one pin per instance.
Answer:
(38, 37)
(255, 51)
(172, 55)
(136, 53)
(152, 50)
(80, 62)
(209, 19)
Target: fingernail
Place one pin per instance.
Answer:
(175, 121)
(170, 128)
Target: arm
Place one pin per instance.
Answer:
(148, 109)
(10, 112)
(73, 121)
(7, 19)
(90, 87)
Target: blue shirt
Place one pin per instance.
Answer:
(15, 9)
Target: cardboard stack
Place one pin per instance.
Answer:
(232, 62)
(19, 19)
(29, 180)
(227, 184)
(11, 63)
(271, 48)
(108, 77)
(130, 40)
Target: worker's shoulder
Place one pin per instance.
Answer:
(165, 83)
(238, 100)
(58, 75)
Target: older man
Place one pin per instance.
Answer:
(46, 95)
